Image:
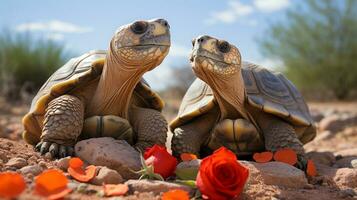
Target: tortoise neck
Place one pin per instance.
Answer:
(115, 88)
(230, 95)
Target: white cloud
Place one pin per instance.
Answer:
(53, 26)
(55, 36)
(178, 50)
(271, 5)
(269, 63)
(161, 76)
(240, 9)
(235, 10)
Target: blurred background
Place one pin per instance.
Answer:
(314, 43)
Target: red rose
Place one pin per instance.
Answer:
(221, 176)
(163, 162)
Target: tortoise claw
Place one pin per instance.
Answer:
(62, 151)
(38, 146)
(44, 147)
(54, 150)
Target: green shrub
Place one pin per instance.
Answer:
(317, 45)
(27, 62)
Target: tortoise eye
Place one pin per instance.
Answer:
(139, 27)
(223, 46)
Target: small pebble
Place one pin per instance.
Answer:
(63, 163)
(354, 163)
(348, 193)
(73, 185)
(43, 164)
(16, 162)
(32, 169)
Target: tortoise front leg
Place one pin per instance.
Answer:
(150, 127)
(279, 134)
(191, 137)
(62, 125)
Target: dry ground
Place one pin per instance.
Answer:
(11, 146)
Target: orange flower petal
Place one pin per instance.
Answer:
(175, 195)
(311, 169)
(263, 157)
(115, 189)
(188, 156)
(75, 163)
(83, 175)
(52, 184)
(286, 156)
(11, 184)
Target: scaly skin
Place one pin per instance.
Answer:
(135, 49)
(190, 137)
(150, 126)
(62, 126)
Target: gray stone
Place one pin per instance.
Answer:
(108, 176)
(155, 186)
(63, 163)
(276, 173)
(16, 163)
(337, 122)
(33, 169)
(346, 162)
(115, 154)
(325, 158)
(347, 193)
(316, 115)
(188, 170)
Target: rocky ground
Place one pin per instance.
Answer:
(334, 151)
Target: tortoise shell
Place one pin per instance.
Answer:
(75, 74)
(269, 91)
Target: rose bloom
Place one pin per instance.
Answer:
(221, 176)
(163, 162)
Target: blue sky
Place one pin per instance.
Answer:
(83, 25)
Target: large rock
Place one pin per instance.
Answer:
(316, 115)
(346, 177)
(343, 177)
(276, 173)
(16, 162)
(107, 176)
(155, 186)
(325, 158)
(338, 122)
(346, 162)
(115, 154)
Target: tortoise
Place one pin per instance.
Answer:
(240, 105)
(103, 94)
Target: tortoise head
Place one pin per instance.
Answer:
(215, 56)
(142, 43)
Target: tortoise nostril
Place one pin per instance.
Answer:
(164, 23)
